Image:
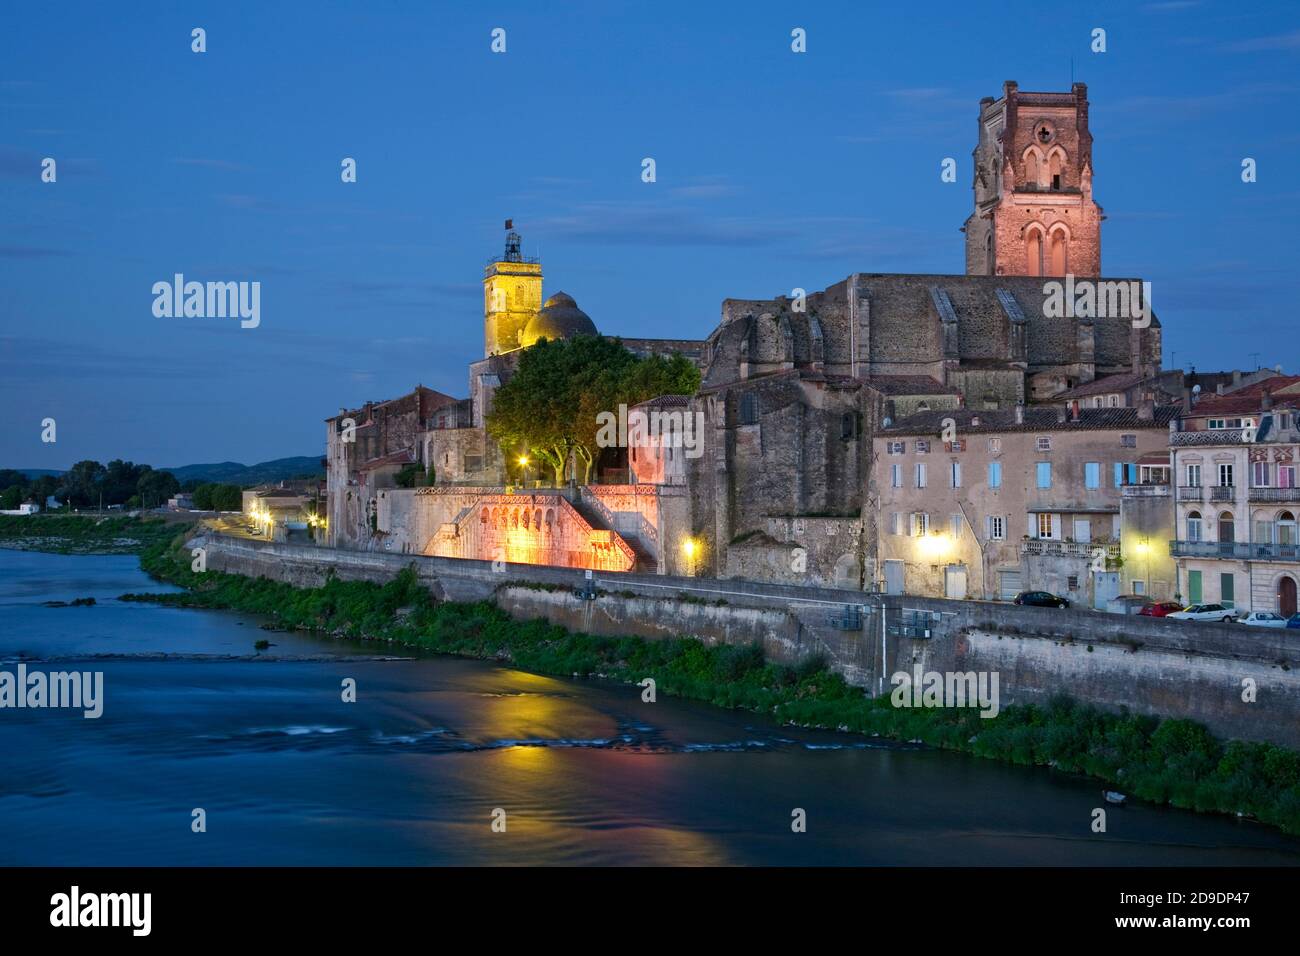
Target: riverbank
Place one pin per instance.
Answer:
(84, 534)
(1175, 762)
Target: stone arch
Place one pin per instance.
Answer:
(847, 573)
(1056, 163)
(1057, 255)
(1035, 164)
(1035, 242)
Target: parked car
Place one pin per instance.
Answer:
(1204, 612)
(1160, 609)
(1040, 599)
(1263, 619)
(1293, 621)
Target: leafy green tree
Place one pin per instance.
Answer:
(550, 407)
(155, 487)
(228, 498)
(43, 487)
(10, 477)
(81, 484)
(203, 496)
(11, 498)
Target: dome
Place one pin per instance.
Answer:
(558, 318)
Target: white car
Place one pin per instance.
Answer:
(1264, 619)
(1204, 612)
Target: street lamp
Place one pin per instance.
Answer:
(523, 463)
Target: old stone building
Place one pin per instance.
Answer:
(1034, 212)
(989, 503)
(794, 390)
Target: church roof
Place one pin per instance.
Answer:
(558, 318)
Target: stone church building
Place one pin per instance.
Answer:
(792, 391)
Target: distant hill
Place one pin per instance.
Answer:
(231, 472)
(235, 473)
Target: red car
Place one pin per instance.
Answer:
(1160, 609)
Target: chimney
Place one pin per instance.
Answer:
(974, 421)
(1147, 410)
(1020, 413)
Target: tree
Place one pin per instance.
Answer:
(11, 498)
(155, 487)
(228, 498)
(203, 496)
(81, 484)
(550, 407)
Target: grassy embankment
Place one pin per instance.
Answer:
(84, 534)
(1164, 761)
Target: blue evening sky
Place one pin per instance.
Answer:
(775, 170)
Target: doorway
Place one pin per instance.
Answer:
(1286, 596)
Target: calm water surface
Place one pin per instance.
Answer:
(411, 772)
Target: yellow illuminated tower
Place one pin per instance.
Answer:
(512, 294)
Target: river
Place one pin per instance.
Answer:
(287, 773)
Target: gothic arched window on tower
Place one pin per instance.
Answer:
(1058, 257)
(1056, 166)
(1034, 252)
(1031, 167)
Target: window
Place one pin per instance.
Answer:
(1092, 474)
(954, 473)
(1046, 526)
(995, 446)
(995, 474)
(749, 409)
(922, 447)
(1259, 474)
(1286, 476)
(920, 526)
(1128, 441)
(920, 474)
(997, 528)
(897, 447)
(1194, 532)
(848, 425)
(1072, 582)
(1126, 473)
(1044, 474)
(1227, 590)
(895, 476)
(896, 522)
(955, 523)
(1114, 403)
(957, 444)
(1193, 476)
(1044, 442)
(1225, 476)
(1139, 587)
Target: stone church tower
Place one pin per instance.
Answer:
(512, 294)
(1034, 213)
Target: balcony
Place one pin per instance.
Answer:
(1275, 495)
(1191, 493)
(1048, 547)
(1234, 550)
(1220, 436)
(1223, 493)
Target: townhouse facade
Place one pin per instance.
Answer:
(1235, 460)
(985, 504)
